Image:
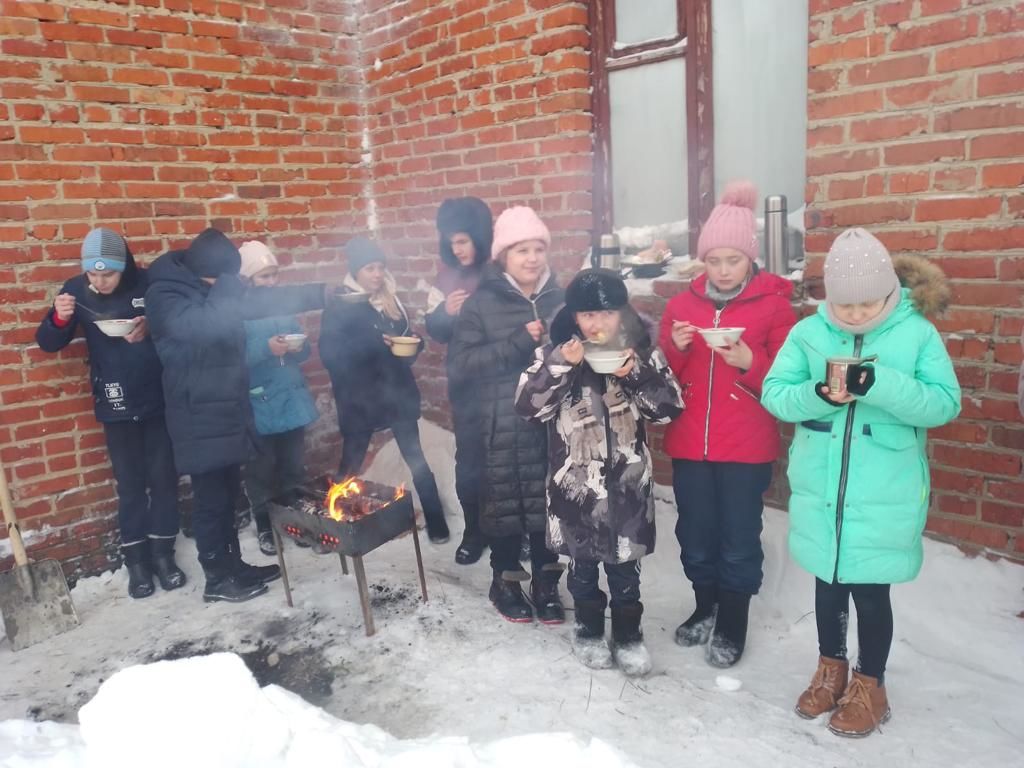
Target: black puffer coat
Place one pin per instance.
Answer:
(492, 347)
(373, 389)
(125, 377)
(199, 333)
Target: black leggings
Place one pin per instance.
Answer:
(874, 623)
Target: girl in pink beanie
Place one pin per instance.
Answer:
(723, 444)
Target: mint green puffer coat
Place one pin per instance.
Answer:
(858, 473)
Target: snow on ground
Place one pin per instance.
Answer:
(450, 681)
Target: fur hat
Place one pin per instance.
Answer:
(256, 257)
(103, 250)
(362, 251)
(471, 216)
(212, 254)
(596, 289)
(731, 223)
(516, 225)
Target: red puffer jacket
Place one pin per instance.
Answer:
(723, 419)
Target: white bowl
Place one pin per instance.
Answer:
(606, 360)
(721, 337)
(116, 327)
(294, 341)
(404, 346)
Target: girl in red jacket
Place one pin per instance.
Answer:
(724, 443)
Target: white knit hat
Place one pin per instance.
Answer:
(255, 258)
(858, 269)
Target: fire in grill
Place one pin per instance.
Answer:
(354, 518)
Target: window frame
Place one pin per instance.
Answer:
(692, 41)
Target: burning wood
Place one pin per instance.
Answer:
(348, 500)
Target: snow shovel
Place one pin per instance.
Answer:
(34, 597)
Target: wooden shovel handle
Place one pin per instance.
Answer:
(13, 531)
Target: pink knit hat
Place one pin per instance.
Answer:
(255, 258)
(516, 225)
(731, 223)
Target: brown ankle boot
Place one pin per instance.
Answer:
(827, 686)
(862, 709)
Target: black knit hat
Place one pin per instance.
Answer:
(465, 214)
(596, 289)
(361, 251)
(212, 254)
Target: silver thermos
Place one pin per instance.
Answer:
(776, 241)
(608, 255)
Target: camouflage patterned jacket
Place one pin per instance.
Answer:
(600, 505)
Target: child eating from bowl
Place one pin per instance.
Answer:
(282, 405)
(128, 401)
(600, 505)
(724, 443)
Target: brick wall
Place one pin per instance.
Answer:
(916, 132)
(470, 98)
(156, 118)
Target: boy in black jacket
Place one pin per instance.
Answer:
(125, 374)
(197, 306)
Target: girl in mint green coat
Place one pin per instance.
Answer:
(858, 470)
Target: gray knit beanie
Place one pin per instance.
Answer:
(858, 269)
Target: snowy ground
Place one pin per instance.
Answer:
(452, 668)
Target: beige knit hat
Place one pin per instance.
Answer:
(255, 258)
(858, 269)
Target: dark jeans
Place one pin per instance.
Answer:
(275, 467)
(874, 623)
(214, 495)
(147, 482)
(505, 552)
(719, 527)
(407, 435)
(623, 581)
(469, 463)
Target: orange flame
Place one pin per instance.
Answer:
(400, 492)
(342, 490)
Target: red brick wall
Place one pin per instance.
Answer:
(470, 98)
(916, 132)
(156, 118)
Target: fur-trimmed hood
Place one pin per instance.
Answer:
(928, 284)
(471, 216)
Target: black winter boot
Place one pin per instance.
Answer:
(251, 574)
(267, 545)
(507, 596)
(223, 582)
(588, 641)
(730, 633)
(166, 570)
(471, 549)
(140, 569)
(628, 649)
(437, 528)
(547, 603)
(697, 629)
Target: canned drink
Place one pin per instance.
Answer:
(835, 372)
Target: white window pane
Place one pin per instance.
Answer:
(637, 21)
(648, 143)
(760, 95)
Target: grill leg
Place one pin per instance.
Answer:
(280, 562)
(364, 594)
(419, 556)
(344, 564)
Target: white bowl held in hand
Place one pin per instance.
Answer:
(721, 337)
(405, 346)
(606, 360)
(294, 341)
(116, 327)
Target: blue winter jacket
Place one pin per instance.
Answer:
(280, 399)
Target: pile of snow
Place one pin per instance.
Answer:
(209, 711)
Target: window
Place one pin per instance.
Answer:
(653, 115)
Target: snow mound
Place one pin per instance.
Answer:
(210, 711)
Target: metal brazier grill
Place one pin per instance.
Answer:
(352, 518)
